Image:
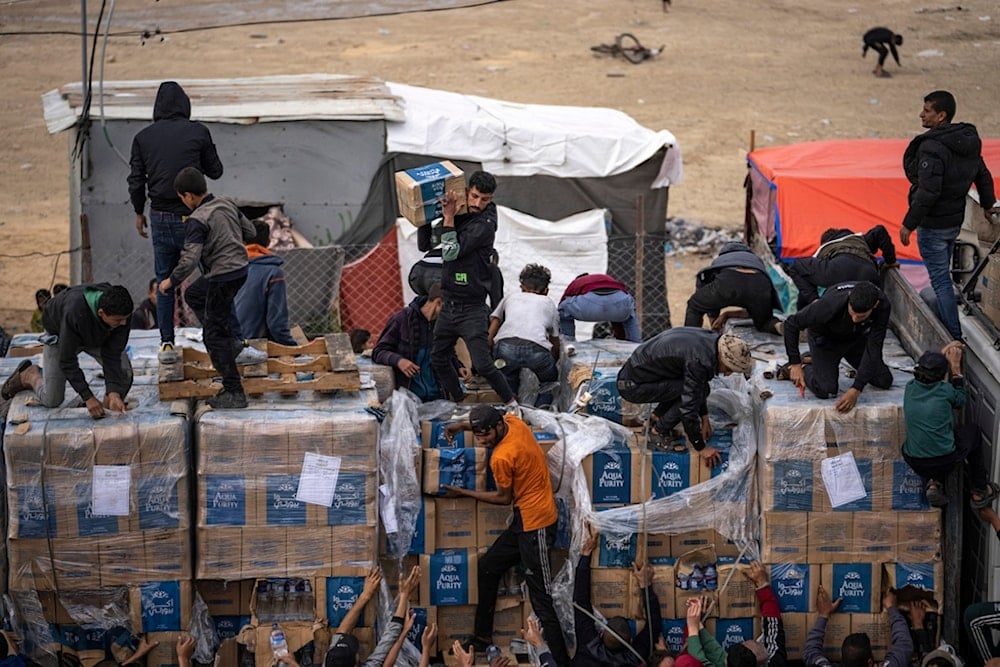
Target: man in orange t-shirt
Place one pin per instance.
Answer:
(522, 478)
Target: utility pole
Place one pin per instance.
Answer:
(83, 47)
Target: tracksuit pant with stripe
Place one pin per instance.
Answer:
(530, 549)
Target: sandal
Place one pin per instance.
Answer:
(935, 493)
(13, 385)
(986, 496)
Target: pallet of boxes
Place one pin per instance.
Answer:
(841, 508)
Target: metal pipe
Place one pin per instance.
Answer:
(83, 48)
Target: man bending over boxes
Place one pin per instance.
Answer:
(933, 445)
(856, 651)
(522, 478)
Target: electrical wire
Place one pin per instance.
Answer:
(100, 91)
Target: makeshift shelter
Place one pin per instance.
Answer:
(325, 148)
(801, 190)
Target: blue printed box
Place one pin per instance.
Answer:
(907, 489)
(858, 585)
(464, 468)
(670, 473)
(162, 606)
(611, 477)
(674, 634)
(794, 586)
(224, 501)
(36, 517)
(922, 576)
(340, 595)
(353, 500)
(228, 627)
(788, 486)
(616, 550)
(432, 436)
(158, 501)
(865, 467)
(606, 402)
(420, 190)
(448, 577)
(731, 631)
(277, 505)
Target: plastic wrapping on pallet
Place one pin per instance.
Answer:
(594, 369)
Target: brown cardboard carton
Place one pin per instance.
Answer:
(491, 521)
(876, 626)
(122, 560)
(507, 621)
(226, 499)
(858, 585)
(353, 545)
(116, 443)
(167, 554)
(220, 448)
(875, 536)
(681, 598)
(784, 537)
(219, 553)
(448, 578)
(738, 599)
(664, 586)
(328, 598)
(830, 536)
(454, 623)
(263, 553)
(70, 449)
(418, 190)
(154, 603)
(52, 609)
(916, 581)
(162, 496)
(616, 477)
(432, 435)
(796, 628)
(658, 547)
(309, 551)
(698, 539)
(456, 523)
(838, 626)
(223, 598)
(918, 536)
(76, 564)
(297, 634)
(391, 568)
(611, 591)
(164, 653)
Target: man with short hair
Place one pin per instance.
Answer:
(738, 278)
(216, 231)
(86, 318)
(597, 297)
(843, 256)
(882, 40)
(467, 251)
(856, 650)
(524, 333)
(941, 164)
(848, 322)
(262, 302)
(144, 316)
(673, 369)
(522, 479)
(405, 344)
(159, 151)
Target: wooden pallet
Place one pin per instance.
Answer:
(333, 367)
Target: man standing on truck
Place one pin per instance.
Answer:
(941, 164)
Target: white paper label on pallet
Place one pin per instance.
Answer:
(387, 509)
(111, 490)
(318, 479)
(842, 479)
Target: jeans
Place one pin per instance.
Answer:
(470, 322)
(52, 392)
(936, 247)
(219, 340)
(167, 231)
(196, 295)
(519, 353)
(616, 307)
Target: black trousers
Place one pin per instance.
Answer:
(470, 322)
(823, 374)
(220, 340)
(810, 274)
(195, 296)
(968, 448)
(530, 549)
(665, 393)
(733, 288)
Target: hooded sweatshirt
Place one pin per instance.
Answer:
(161, 150)
(262, 302)
(941, 164)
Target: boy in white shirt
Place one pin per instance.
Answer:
(524, 332)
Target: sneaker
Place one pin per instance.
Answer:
(13, 385)
(167, 354)
(251, 355)
(228, 400)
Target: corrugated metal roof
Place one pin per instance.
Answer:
(243, 101)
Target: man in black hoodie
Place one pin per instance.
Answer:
(86, 318)
(159, 152)
(941, 164)
(843, 256)
(739, 278)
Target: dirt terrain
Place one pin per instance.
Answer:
(788, 70)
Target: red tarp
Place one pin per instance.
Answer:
(370, 289)
(854, 184)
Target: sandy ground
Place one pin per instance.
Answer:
(786, 70)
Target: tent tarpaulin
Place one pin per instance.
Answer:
(801, 190)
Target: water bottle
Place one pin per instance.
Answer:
(711, 577)
(683, 581)
(292, 602)
(697, 578)
(265, 602)
(492, 653)
(307, 601)
(279, 647)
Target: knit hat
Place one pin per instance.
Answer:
(735, 354)
(484, 417)
(343, 652)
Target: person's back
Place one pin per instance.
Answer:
(667, 354)
(262, 302)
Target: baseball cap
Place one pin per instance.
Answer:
(343, 652)
(482, 418)
(735, 354)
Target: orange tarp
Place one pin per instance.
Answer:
(854, 184)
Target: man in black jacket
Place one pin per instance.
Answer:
(843, 256)
(467, 251)
(86, 318)
(940, 165)
(159, 152)
(848, 322)
(882, 40)
(673, 369)
(739, 278)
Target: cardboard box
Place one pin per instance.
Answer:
(461, 467)
(867, 468)
(421, 190)
(611, 476)
(731, 631)
(508, 619)
(876, 626)
(797, 626)
(167, 554)
(611, 591)
(789, 486)
(309, 552)
(274, 495)
(674, 633)
(907, 489)
(226, 499)
(989, 285)
(162, 497)
(424, 530)
(353, 545)
(671, 472)
(696, 539)
(263, 553)
(658, 549)
(794, 586)
(664, 586)
(784, 537)
(117, 445)
(219, 553)
(838, 626)
(918, 536)
(454, 623)
(875, 536)
(338, 593)
(830, 536)
(123, 560)
(448, 578)
(916, 581)
(76, 564)
(455, 524)
(858, 585)
(681, 597)
(297, 634)
(391, 569)
(739, 597)
(225, 598)
(432, 436)
(165, 652)
(161, 606)
(606, 402)
(618, 551)
(354, 502)
(491, 521)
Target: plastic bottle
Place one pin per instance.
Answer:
(279, 647)
(711, 577)
(697, 582)
(265, 602)
(492, 653)
(307, 601)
